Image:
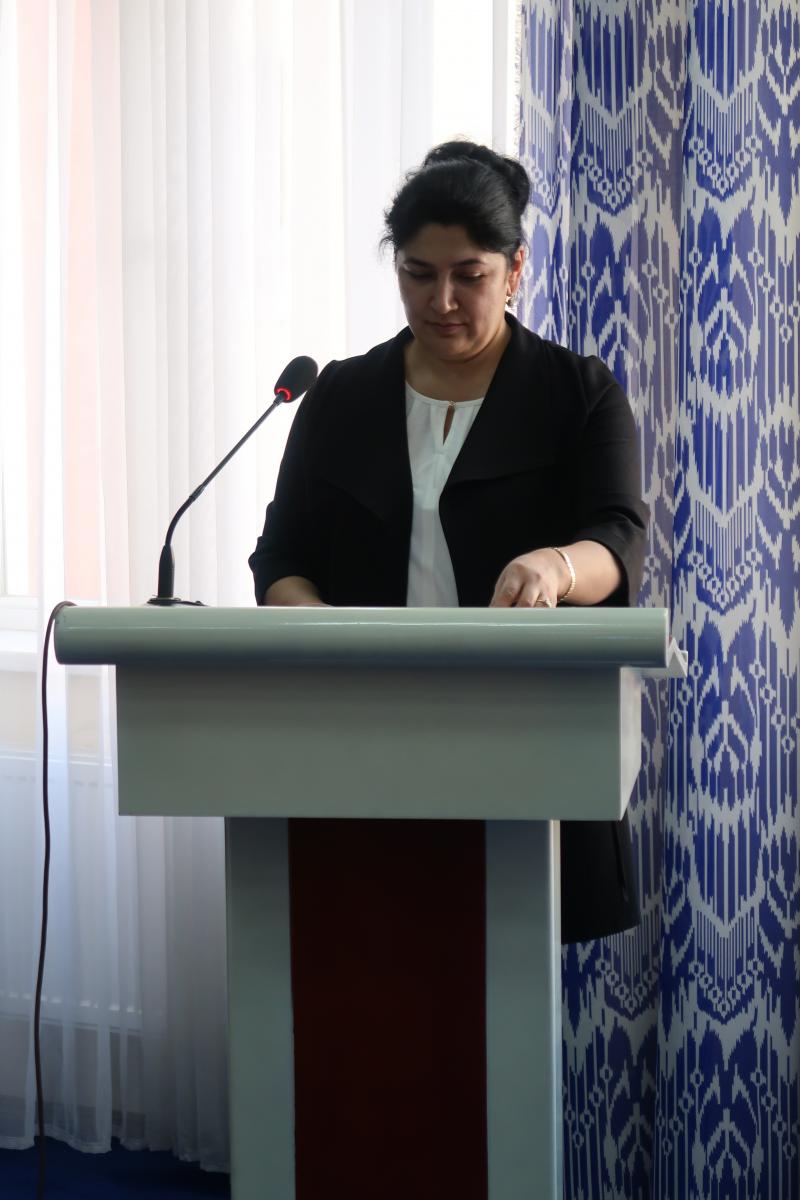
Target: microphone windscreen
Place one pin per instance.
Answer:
(297, 377)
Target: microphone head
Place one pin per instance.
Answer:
(296, 378)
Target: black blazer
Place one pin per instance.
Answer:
(551, 458)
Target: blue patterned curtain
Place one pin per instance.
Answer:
(663, 140)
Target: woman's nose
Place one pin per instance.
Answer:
(443, 299)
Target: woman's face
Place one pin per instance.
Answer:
(454, 293)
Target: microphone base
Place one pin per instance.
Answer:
(170, 601)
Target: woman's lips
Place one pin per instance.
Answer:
(447, 329)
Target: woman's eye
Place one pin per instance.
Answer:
(426, 275)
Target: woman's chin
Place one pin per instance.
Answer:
(450, 343)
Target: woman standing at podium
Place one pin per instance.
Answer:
(465, 462)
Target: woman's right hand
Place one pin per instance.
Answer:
(294, 590)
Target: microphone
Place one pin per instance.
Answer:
(293, 381)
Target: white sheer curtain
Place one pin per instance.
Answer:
(191, 194)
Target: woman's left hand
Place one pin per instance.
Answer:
(530, 581)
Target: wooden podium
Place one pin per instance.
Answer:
(261, 715)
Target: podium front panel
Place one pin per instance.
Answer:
(374, 742)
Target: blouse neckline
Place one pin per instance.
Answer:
(415, 395)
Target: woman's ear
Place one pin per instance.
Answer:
(516, 269)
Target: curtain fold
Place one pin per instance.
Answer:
(192, 194)
(665, 238)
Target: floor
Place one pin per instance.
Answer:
(118, 1175)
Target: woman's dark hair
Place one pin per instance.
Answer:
(461, 183)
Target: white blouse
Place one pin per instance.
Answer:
(431, 582)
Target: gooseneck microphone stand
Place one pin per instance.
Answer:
(294, 380)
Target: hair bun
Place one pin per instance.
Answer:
(512, 172)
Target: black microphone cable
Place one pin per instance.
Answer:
(37, 1007)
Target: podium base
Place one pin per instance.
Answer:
(400, 1034)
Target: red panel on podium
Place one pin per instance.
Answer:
(389, 994)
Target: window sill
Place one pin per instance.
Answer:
(18, 650)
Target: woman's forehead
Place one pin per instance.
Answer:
(444, 246)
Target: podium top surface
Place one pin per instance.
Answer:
(582, 638)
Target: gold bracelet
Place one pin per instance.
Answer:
(571, 570)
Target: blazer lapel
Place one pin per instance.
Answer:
(366, 450)
(511, 432)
